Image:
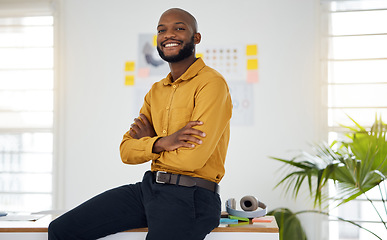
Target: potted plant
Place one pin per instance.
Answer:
(288, 223)
(355, 165)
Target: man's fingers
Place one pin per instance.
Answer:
(190, 138)
(194, 123)
(193, 131)
(189, 130)
(187, 145)
(139, 123)
(135, 127)
(132, 133)
(144, 119)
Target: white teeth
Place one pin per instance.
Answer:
(171, 45)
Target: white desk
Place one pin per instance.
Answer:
(28, 230)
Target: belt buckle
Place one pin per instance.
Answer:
(159, 177)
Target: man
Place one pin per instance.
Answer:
(183, 128)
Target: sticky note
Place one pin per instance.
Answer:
(154, 40)
(228, 221)
(252, 64)
(129, 80)
(199, 55)
(143, 72)
(129, 66)
(239, 224)
(239, 218)
(262, 219)
(251, 50)
(252, 76)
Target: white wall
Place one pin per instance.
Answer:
(97, 36)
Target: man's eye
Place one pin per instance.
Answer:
(160, 31)
(180, 28)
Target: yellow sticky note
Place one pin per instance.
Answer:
(154, 40)
(199, 55)
(129, 80)
(251, 50)
(129, 66)
(252, 64)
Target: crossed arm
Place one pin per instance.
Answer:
(184, 137)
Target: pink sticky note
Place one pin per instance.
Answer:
(143, 72)
(252, 76)
(262, 219)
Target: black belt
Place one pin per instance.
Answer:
(184, 180)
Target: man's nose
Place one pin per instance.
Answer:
(170, 34)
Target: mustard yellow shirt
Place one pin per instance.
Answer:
(200, 94)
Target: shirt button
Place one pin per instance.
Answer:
(174, 86)
(167, 108)
(164, 131)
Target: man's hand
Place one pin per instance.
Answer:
(182, 138)
(141, 128)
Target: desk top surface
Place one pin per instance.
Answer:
(41, 225)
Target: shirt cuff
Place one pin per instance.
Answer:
(149, 147)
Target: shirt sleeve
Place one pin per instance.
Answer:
(213, 107)
(136, 151)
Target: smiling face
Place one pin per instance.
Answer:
(176, 35)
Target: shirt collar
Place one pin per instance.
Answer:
(191, 72)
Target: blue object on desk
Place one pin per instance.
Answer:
(228, 221)
(2, 214)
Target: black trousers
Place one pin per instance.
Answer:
(170, 212)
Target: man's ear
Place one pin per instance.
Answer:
(197, 38)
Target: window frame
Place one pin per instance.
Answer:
(326, 43)
(24, 8)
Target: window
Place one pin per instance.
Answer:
(26, 111)
(356, 77)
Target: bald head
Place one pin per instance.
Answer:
(190, 20)
(177, 36)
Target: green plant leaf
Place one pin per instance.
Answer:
(355, 166)
(289, 225)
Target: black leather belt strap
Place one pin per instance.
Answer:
(184, 180)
